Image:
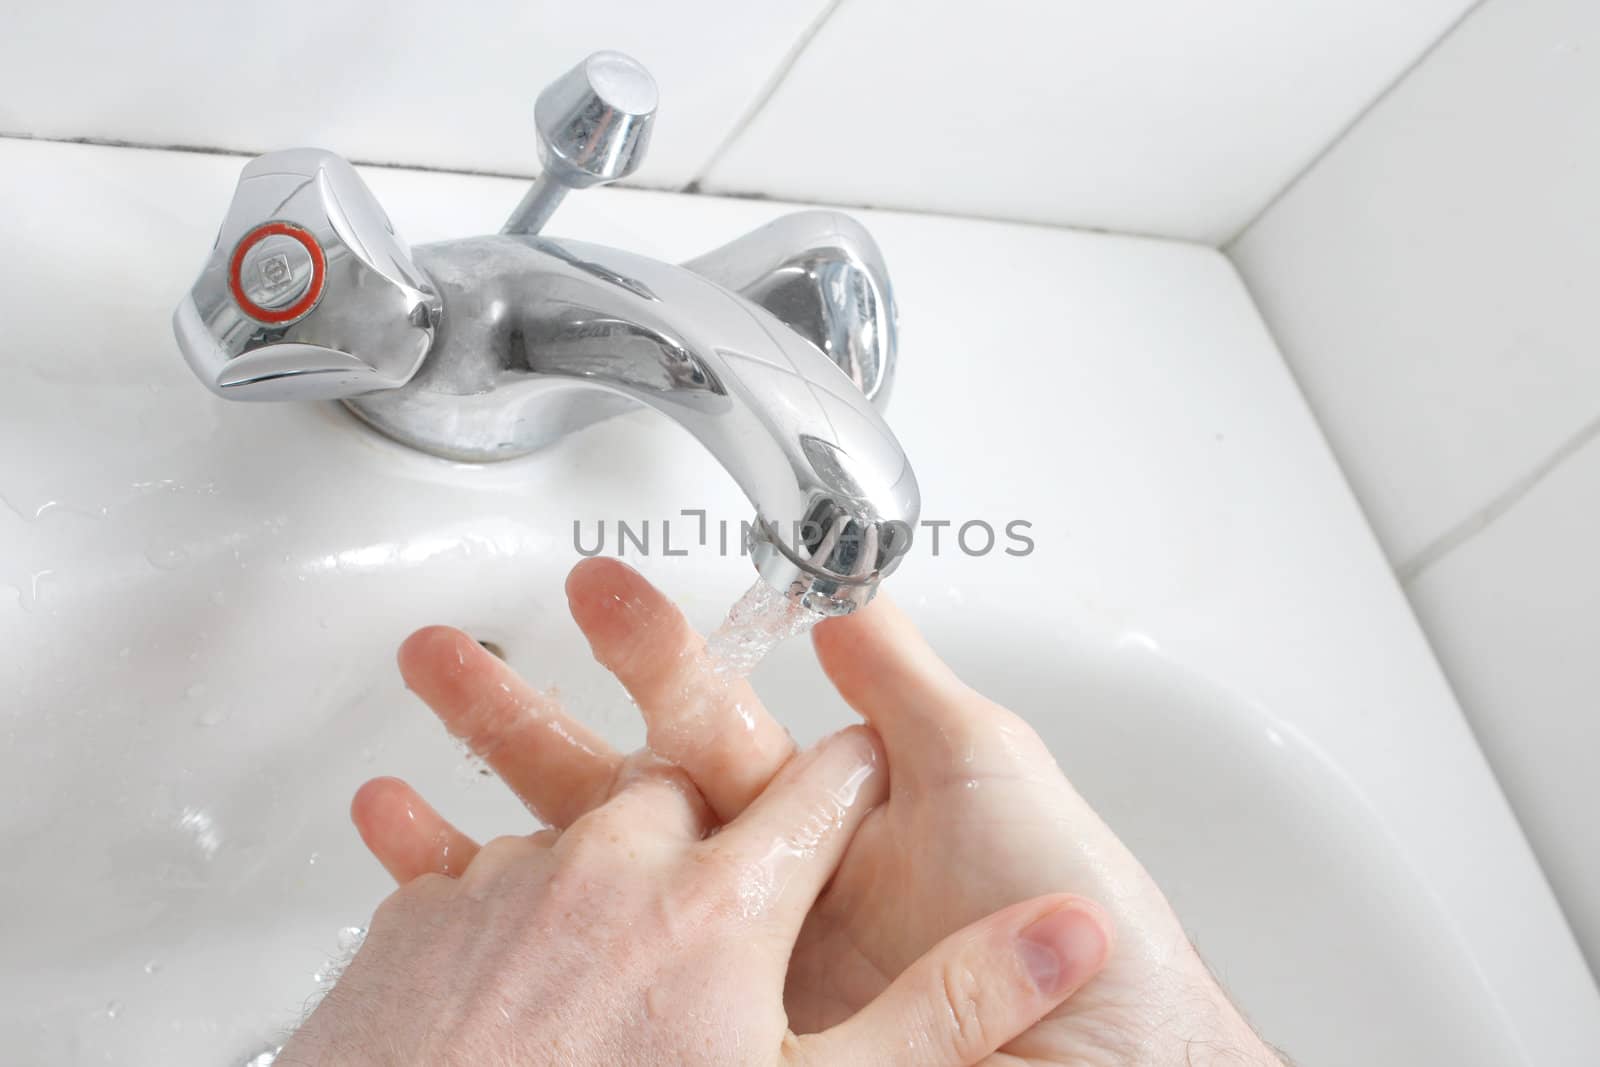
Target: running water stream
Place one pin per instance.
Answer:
(758, 622)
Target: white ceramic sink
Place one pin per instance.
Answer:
(204, 600)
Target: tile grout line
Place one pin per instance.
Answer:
(676, 190)
(768, 90)
(251, 153)
(1226, 245)
(1473, 525)
(764, 97)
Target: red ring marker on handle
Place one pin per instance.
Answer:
(319, 273)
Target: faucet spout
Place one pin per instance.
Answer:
(541, 336)
(771, 350)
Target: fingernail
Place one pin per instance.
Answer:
(1062, 950)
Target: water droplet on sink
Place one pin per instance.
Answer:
(54, 507)
(152, 967)
(113, 1009)
(168, 557)
(199, 825)
(31, 596)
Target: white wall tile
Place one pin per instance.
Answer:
(1151, 116)
(409, 81)
(1514, 616)
(1158, 116)
(1433, 283)
(1433, 280)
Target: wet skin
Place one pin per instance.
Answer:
(977, 818)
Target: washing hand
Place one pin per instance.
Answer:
(630, 933)
(978, 818)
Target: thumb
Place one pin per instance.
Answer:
(975, 990)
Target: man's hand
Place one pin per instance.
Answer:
(978, 817)
(643, 926)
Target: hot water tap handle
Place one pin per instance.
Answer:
(308, 293)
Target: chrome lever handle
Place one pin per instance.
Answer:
(594, 126)
(308, 293)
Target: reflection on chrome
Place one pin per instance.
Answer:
(772, 350)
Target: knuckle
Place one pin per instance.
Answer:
(963, 736)
(680, 722)
(479, 718)
(389, 909)
(963, 999)
(864, 742)
(648, 797)
(496, 855)
(588, 842)
(407, 900)
(812, 1050)
(721, 881)
(430, 884)
(599, 845)
(505, 847)
(645, 768)
(605, 826)
(1019, 734)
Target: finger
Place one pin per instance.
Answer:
(651, 796)
(708, 722)
(884, 669)
(556, 765)
(405, 834)
(974, 991)
(789, 842)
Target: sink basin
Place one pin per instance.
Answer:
(201, 601)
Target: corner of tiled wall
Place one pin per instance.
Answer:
(1432, 282)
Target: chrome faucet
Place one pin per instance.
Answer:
(772, 350)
